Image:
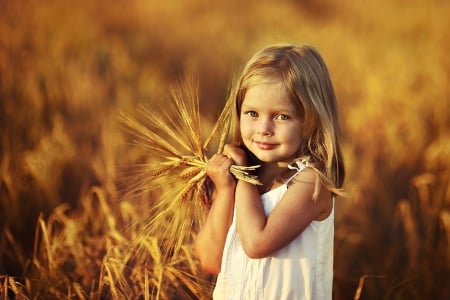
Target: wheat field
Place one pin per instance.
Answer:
(71, 228)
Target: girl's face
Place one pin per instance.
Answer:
(269, 123)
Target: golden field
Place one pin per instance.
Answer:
(67, 70)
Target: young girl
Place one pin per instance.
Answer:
(275, 241)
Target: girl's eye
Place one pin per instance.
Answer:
(282, 117)
(252, 114)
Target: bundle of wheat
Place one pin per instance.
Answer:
(171, 135)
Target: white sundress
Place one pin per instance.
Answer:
(301, 270)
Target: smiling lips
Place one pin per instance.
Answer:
(264, 146)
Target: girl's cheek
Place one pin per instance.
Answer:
(246, 126)
(243, 127)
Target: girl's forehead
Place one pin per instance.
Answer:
(268, 94)
(271, 87)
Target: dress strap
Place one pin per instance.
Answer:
(298, 165)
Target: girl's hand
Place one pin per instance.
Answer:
(236, 153)
(218, 168)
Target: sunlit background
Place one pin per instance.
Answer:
(67, 68)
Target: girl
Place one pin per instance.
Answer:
(275, 241)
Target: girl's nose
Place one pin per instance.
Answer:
(265, 127)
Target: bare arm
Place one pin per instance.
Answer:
(262, 235)
(210, 241)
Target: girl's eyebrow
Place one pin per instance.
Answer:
(277, 109)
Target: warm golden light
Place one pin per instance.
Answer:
(69, 229)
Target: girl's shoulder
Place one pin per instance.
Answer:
(300, 164)
(303, 168)
(306, 182)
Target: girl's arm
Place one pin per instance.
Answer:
(263, 235)
(210, 240)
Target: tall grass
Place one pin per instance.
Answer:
(171, 137)
(66, 70)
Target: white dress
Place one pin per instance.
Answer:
(301, 270)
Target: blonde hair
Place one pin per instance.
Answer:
(305, 77)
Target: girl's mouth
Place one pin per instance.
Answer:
(264, 146)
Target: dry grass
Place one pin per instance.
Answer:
(171, 137)
(68, 232)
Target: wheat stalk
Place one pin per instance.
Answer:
(171, 136)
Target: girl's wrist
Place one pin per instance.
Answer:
(228, 184)
(226, 191)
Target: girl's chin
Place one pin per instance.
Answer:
(268, 159)
(257, 156)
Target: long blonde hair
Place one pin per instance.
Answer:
(306, 79)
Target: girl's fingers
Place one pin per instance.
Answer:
(232, 154)
(220, 161)
(218, 170)
(236, 154)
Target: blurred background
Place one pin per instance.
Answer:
(68, 68)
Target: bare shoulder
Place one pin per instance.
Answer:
(305, 176)
(305, 184)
